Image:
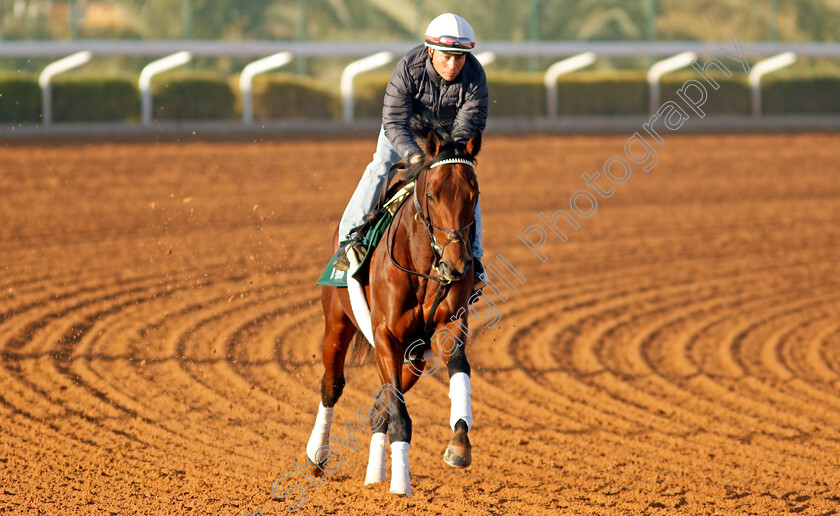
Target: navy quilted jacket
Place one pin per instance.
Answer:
(415, 87)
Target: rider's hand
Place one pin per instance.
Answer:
(415, 158)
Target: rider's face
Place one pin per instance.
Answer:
(447, 66)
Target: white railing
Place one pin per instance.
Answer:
(680, 54)
(56, 67)
(246, 78)
(350, 72)
(764, 67)
(657, 49)
(150, 70)
(659, 69)
(570, 64)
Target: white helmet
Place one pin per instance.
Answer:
(450, 33)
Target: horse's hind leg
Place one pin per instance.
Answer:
(338, 332)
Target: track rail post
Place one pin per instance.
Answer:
(55, 68)
(559, 68)
(764, 67)
(155, 67)
(246, 79)
(662, 67)
(351, 71)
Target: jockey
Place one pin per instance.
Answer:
(441, 79)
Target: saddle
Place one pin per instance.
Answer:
(391, 197)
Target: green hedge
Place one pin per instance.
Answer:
(602, 93)
(281, 95)
(88, 98)
(812, 93)
(192, 96)
(369, 94)
(732, 95)
(20, 98)
(521, 94)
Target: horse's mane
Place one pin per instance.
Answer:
(422, 125)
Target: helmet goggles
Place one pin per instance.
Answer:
(454, 43)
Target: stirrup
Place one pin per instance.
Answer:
(342, 263)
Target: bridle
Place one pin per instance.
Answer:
(422, 216)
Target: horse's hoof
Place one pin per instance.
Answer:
(458, 455)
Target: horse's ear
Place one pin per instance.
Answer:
(432, 144)
(474, 144)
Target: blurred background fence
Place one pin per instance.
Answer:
(308, 87)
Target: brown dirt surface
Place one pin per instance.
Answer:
(160, 332)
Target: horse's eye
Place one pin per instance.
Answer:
(430, 197)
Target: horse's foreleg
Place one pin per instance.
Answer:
(389, 355)
(458, 453)
(376, 470)
(338, 332)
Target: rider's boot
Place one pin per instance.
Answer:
(353, 244)
(478, 275)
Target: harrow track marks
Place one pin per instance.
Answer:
(801, 350)
(160, 333)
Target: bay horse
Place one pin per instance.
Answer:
(420, 282)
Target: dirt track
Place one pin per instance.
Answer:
(680, 354)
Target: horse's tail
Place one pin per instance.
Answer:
(361, 349)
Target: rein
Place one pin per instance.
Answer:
(422, 217)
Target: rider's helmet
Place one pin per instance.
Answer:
(450, 33)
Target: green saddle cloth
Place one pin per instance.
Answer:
(332, 277)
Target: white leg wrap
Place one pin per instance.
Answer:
(400, 481)
(459, 393)
(376, 460)
(320, 432)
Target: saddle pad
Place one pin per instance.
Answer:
(335, 278)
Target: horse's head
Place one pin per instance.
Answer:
(445, 196)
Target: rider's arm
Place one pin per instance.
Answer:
(472, 116)
(398, 110)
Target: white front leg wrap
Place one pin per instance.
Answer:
(376, 459)
(459, 393)
(320, 432)
(400, 481)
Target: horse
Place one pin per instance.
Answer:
(419, 285)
